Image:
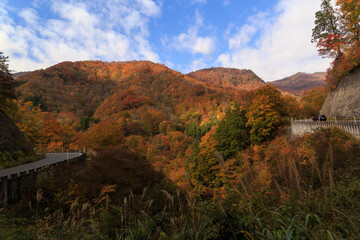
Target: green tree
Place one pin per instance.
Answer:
(7, 85)
(232, 134)
(327, 31)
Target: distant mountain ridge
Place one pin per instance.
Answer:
(301, 82)
(242, 79)
(19, 74)
(94, 87)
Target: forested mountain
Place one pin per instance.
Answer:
(143, 106)
(69, 104)
(82, 87)
(301, 82)
(229, 78)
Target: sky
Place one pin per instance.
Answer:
(270, 37)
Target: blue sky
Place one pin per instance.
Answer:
(270, 37)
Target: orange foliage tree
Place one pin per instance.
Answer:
(266, 113)
(105, 134)
(337, 33)
(28, 119)
(51, 133)
(312, 101)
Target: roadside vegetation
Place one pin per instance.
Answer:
(305, 188)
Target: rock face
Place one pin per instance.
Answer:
(344, 101)
(12, 141)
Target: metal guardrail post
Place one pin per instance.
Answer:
(4, 183)
(14, 187)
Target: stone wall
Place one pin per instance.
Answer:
(300, 127)
(344, 101)
(12, 188)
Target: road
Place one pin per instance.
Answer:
(50, 158)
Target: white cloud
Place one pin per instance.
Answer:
(149, 8)
(196, 65)
(282, 44)
(242, 37)
(192, 42)
(29, 15)
(118, 30)
(204, 45)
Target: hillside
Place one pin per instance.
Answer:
(137, 98)
(92, 87)
(228, 78)
(12, 142)
(299, 83)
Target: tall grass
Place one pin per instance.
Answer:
(313, 194)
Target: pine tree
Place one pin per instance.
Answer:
(327, 32)
(232, 134)
(7, 85)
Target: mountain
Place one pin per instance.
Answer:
(299, 83)
(104, 89)
(77, 87)
(228, 78)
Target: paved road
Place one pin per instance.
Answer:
(51, 158)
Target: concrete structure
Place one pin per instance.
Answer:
(13, 181)
(300, 127)
(344, 101)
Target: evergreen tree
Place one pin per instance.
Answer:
(232, 134)
(7, 85)
(327, 31)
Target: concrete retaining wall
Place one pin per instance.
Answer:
(300, 127)
(13, 187)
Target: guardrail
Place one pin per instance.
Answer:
(300, 127)
(13, 182)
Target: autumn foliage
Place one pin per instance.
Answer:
(337, 35)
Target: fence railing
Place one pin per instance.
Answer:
(302, 126)
(14, 185)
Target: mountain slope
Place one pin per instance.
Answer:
(12, 142)
(228, 78)
(301, 82)
(105, 89)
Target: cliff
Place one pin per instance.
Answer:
(344, 101)
(12, 142)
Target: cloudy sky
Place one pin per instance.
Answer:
(270, 37)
